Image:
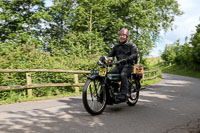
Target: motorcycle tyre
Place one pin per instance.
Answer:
(131, 102)
(85, 100)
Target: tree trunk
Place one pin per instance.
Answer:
(90, 41)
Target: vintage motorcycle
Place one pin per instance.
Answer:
(102, 87)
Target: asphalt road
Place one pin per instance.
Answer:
(171, 106)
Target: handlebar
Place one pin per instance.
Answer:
(108, 61)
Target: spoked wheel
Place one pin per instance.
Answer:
(134, 93)
(94, 97)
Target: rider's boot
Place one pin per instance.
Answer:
(122, 96)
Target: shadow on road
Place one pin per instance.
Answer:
(68, 119)
(156, 102)
(71, 117)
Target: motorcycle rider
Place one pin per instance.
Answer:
(126, 54)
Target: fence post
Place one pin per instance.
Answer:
(29, 82)
(143, 78)
(76, 82)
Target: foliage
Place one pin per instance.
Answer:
(195, 42)
(94, 23)
(169, 53)
(22, 20)
(144, 19)
(26, 57)
(187, 54)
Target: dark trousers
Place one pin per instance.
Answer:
(125, 71)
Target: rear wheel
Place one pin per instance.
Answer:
(94, 97)
(134, 90)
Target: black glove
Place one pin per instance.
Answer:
(121, 62)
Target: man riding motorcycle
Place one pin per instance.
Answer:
(126, 54)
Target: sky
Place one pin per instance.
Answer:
(184, 25)
(48, 2)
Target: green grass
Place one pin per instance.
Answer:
(154, 63)
(150, 82)
(181, 70)
(18, 99)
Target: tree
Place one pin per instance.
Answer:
(94, 17)
(179, 54)
(21, 20)
(83, 25)
(146, 19)
(195, 41)
(59, 26)
(93, 24)
(169, 54)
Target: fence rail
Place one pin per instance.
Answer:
(43, 70)
(148, 75)
(76, 84)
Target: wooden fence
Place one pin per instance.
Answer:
(146, 76)
(152, 74)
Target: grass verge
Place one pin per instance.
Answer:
(150, 82)
(181, 70)
(25, 99)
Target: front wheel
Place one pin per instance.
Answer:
(134, 91)
(94, 96)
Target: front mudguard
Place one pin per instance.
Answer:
(97, 77)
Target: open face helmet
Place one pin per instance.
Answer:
(124, 31)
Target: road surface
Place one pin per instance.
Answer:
(171, 106)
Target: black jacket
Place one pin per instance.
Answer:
(126, 51)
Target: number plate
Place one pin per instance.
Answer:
(102, 72)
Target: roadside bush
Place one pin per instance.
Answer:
(29, 57)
